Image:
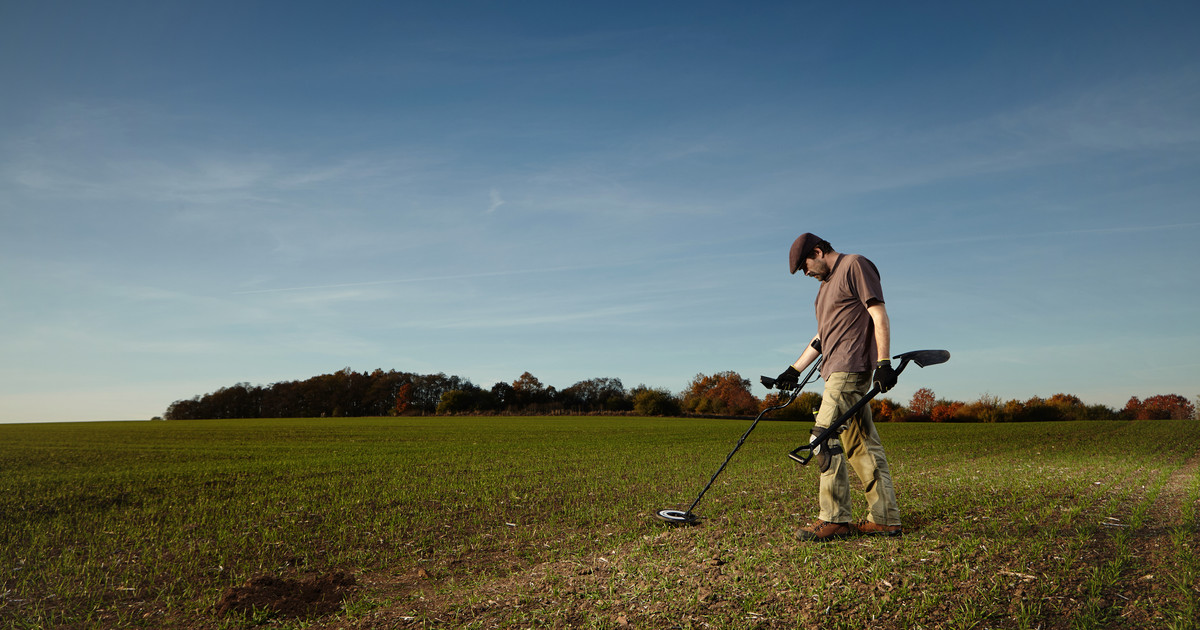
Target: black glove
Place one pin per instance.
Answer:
(789, 379)
(885, 376)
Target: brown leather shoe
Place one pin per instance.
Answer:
(821, 531)
(867, 528)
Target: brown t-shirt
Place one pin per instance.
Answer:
(845, 328)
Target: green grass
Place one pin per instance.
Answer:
(524, 522)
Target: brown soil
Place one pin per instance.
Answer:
(312, 597)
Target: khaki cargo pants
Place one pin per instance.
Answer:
(863, 451)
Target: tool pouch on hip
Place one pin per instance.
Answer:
(825, 452)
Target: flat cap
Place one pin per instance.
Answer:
(801, 248)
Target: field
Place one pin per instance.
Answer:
(546, 522)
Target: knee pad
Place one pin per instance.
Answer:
(825, 452)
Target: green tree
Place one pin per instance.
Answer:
(529, 394)
(654, 402)
(801, 410)
(456, 401)
(597, 394)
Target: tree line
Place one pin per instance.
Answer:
(347, 393)
(926, 407)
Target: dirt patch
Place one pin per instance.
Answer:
(313, 597)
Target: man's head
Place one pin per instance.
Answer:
(808, 256)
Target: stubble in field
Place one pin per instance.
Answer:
(522, 522)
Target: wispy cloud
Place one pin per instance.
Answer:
(496, 201)
(129, 151)
(530, 317)
(439, 278)
(1015, 237)
(1127, 117)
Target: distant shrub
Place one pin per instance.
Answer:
(456, 401)
(654, 402)
(801, 409)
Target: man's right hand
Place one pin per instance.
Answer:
(885, 376)
(789, 379)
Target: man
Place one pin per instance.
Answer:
(854, 333)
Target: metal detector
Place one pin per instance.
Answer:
(922, 358)
(686, 517)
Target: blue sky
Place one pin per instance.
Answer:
(194, 195)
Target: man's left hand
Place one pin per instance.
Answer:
(885, 376)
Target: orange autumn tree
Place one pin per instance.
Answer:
(923, 402)
(403, 400)
(1160, 407)
(946, 412)
(884, 410)
(724, 393)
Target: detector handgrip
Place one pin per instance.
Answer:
(802, 454)
(922, 358)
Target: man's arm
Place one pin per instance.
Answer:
(883, 330)
(809, 355)
(791, 376)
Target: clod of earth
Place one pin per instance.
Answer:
(314, 597)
